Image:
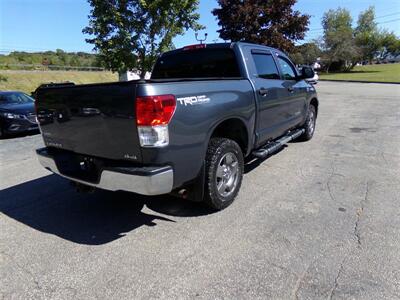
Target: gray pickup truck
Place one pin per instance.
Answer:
(186, 131)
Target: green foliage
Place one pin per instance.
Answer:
(366, 21)
(367, 36)
(131, 34)
(273, 23)
(344, 47)
(306, 54)
(340, 50)
(297, 58)
(389, 44)
(56, 59)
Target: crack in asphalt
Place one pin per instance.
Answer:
(24, 270)
(328, 182)
(336, 281)
(357, 234)
(359, 214)
(299, 281)
(384, 158)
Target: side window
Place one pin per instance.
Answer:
(287, 69)
(265, 66)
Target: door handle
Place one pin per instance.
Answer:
(290, 89)
(263, 91)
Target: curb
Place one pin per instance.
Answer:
(359, 81)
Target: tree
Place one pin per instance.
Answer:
(51, 58)
(311, 52)
(306, 54)
(390, 44)
(62, 56)
(74, 62)
(367, 36)
(131, 34)
(273, 23)
(297, 58)
(340, 50)
(366, 21)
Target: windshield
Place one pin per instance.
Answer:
(15, 98)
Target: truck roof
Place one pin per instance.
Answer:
(224, 45)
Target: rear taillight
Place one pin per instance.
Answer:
(155, 110)
(153, 113)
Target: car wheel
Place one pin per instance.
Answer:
(310, 123)
(224, 172)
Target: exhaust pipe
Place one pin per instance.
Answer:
(182, 193)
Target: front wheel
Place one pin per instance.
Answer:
(224, 172)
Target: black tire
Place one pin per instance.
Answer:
(224, 157)
(309, 125)
(2, 134)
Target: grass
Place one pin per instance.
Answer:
(28, 81)
(378, 73)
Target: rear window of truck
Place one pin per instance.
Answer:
(199, 63)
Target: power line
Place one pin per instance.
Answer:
(394, 20)
(389, 15)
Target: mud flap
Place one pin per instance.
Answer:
(196, 188)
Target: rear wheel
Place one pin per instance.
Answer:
(309, 125)
(224, 172)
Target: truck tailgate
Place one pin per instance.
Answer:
(95, 119)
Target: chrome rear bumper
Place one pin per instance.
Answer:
(156, 183)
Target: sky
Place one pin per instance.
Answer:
(39, 25)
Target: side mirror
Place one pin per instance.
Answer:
(307, 72)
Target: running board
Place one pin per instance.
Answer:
(274, 146)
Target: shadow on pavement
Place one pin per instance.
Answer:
(50, 204)
(19, 135)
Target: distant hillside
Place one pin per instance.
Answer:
(28, 81)
(48, 60)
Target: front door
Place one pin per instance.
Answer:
(295, 95)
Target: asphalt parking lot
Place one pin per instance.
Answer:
(319, 220)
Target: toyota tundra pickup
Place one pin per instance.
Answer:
(187, 130)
